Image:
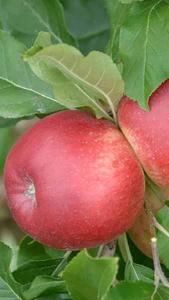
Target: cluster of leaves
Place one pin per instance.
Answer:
(57, 55)
(35, 271)
(132, 38)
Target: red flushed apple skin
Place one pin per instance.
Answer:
(148, 133)
(89, 187)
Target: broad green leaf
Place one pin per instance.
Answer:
(6, 255)
(6, 141)
(15, 102)
(25, 18)
(87, 21)
(42, 40)
(135, 272)
(6, 293)
(163, 293)
(45, 284)
(92, 81)
(89, 278)
(117, 13)
(144, 47)
(21, 92)
(4, 123)
(137, 291)
(162, 240)
(30, 250)
(8, 286)
(27, 272)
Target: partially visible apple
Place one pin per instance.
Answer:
(148, 133)
(143, 229)
(73, 181)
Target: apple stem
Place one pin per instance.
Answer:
(124, 248)
(62, 264)
(160, 227)
(158, 275)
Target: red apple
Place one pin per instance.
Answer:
(148, 133)
(73, 181)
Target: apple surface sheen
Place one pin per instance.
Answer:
(148, 133)
(73, 181)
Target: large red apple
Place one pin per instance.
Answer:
(148, 133)
(73, 181)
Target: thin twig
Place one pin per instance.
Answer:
(159, 275)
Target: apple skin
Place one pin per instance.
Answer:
(148, 133)
(73, 181)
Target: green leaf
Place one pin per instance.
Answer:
(17, 103)
(4, 123)
(6, 141)
(137, 291)
(27, 272)
(87, 21)
(144, 47)
(6, 255)
(25, 18)
(92, 81)
(8, 286)
(163, 293)
(162, 240)
(45, 285)
(21, 92)
(30, 250)
(117, 14)
(6, 292)
(135, 272)
(53, 253)
(89, 278)
(43, 40)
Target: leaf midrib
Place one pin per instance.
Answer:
(41, 20)
(146, 43)
(77, 78)
(28, 89)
